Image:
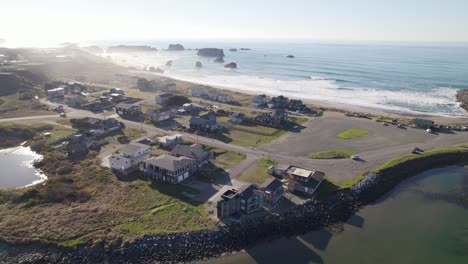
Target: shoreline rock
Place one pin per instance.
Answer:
(231, 65)
(462, 98)
(219, 60)
(198, 64)
(175, 47)
(210, 52)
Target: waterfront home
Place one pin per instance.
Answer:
(190, 108)
(128, 158)
(95, 106)
(56, 93)
(423, 123)
(251, 199)
(159, 115)
(168, 168)
(168, 141)
(229, 204)
(194, 151)
(205, 123)
(162, 98)
(277, 119)
(272, 192)
(279, 170)
(259, 101)
(111, 124)
(224, 98)
(116, 91)
(297, 105)
(303, 180)
(198, 91)
(236, 118)
(128, 110)
(278, 102)
(75, 100)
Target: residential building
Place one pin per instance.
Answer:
(116, 91)
(94, 106)
(128, 158)
(278, 102)
(224, 98)
(229, 204)
(198, 91)
(162, 98)
(272, 192)
(303, 180)
(246, 200)
(168, 168)
(277, 119)
(75, 100)
(168, 141)
(194, 151)
(159, 115)
(205, 123)
(259, 100)
(111, 124)
(56, 93)
(279, 170)
(128, 110)
(236, 118)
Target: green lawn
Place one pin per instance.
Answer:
(225, 159)
(331, 154)
(353, 133)
(11, 106)
(257, 172)
(246, 139)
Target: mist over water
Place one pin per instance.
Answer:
(405, 78)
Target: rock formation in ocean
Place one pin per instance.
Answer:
(175, 47)
(462, 98)
(153, 69)
(232, 49)
(210, 52)
(245, 48)
(290, 56)
(231, 65)
(169, 63)
(124, 48)
(198, 64)
(219, 60)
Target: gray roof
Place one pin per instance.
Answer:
(194, 151)
(170, 163)
(247, 191)
(271, 184)
(131, 148)
(165, 95)
(125, 105)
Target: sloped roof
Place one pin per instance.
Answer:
(271, 184)
(131, 148)
(170, 163)
(194, 151)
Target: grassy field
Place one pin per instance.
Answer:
(11, 106)
(257, 172)
(247, 139)
(353, 133)
(225, 159)
(331, 154)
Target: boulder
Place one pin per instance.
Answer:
(290, 56)
(219, 60)
(169, 63)
(462, 98)
(231, 65)
(210, 52)
(175, 47)
(198, 64)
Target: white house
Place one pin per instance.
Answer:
(128, 158)
(167, 141)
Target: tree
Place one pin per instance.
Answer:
(142, 84)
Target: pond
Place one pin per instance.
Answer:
(423, 220)
(17, 168)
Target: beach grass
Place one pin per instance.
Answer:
(353, 133)
(331, 154)
(257, 172)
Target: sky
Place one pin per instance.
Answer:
(39, 23)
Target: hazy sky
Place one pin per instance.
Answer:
(47, 21)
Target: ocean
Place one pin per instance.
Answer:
(416, 78)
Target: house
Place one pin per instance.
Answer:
(277, 119)
(303, 180)
(272, 192)
(229, 204)
(279, 170)
(105, 101)
(128, 158)
(192, 108)
(117, 98)
(259, 100)
(198, 91)
(251, 199)
(168, 141)
(278, 102)
(162, 98)
(56, 93)
(159, 115)
(224, 98)
(236, 118)
(111, 124)
(128, 110)
(59, 109)
(75, 100)
(423, 123)
(296, 105)
(94, 106)
(194, 151)
(116, 91)
(205, 123)
(168, 168)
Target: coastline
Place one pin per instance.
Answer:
(201, 245)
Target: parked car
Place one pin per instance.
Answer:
(355, 157)
(63, 115)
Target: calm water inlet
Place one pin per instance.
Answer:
(17, 167)
(423, 220)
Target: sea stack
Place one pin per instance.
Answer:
(232, 49)
(290, 56)
(175, 47)
(231, 65)
(169, 63)
(198, 64)
(219, 60)
(210, 52)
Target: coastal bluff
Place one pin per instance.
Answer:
(211, 52)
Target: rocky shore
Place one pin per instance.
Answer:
(462, 98)
(193, 246)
